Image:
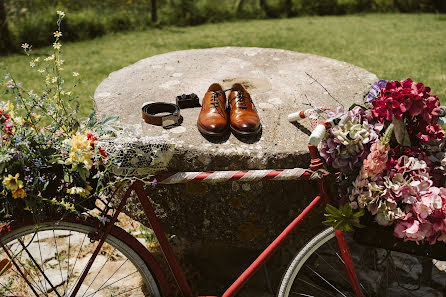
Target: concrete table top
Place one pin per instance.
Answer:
(237, 214)
(276, 80)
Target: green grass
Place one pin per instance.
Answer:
(393, 46)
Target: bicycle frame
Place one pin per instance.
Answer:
(322, 197)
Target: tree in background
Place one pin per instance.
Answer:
(154, 12)
(5, 37)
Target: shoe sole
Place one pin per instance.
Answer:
(210, 133)
(244, 133)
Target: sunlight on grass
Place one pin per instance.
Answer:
(393, 46)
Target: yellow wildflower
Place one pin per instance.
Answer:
(12, 182)
(19, 193)
(80, 151)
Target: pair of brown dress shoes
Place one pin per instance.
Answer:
(214, 118)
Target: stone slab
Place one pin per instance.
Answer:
(239, 213)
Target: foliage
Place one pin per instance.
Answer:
(398, 175)
(50, 161)
(343, 218)
(89, 19)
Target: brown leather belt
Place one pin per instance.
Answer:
(155, 114)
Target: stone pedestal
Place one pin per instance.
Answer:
(235, 214)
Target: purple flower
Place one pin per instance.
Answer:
(154, 182)
(375, 90)
(28, 179)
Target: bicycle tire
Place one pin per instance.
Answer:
(381, 273)
(122, 252)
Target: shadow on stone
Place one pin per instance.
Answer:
(217, 139)
(249, 139)
(302, 128)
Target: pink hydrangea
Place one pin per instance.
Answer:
(376, 160)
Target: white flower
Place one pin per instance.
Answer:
(41, 70)
(57, 45)
(57, 34)
(60, 13)
(25, 46)
(75, 74)
(50, 58)
(54, 79)
(32, 64)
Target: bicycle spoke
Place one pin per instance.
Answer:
(68, 268)
(77, 257)
(126, 291)
(326, 281)
(41, 260)
(58, 260)
(31, 281)
(112, 283)
(111, 276)
(313, 286)
(43, 255)
(7, 289)
(19, 270)
(103, 265)
(40, 270)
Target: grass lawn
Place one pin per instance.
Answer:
(393, 46)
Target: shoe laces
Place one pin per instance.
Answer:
(215, 103)
(240, 100)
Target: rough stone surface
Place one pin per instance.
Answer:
(238, 214)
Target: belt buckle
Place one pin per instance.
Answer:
(169, 121)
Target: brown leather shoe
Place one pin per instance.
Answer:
(244, 120)
(213, 118)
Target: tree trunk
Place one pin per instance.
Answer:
(154, 12)
(289, 8)
(238, 5)
(265, 8)
(5, 37)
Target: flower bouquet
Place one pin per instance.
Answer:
(50, 161)
(391, 156)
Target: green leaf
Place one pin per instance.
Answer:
(45, 185)
(109, 120)
(92, 119)
(343, 218)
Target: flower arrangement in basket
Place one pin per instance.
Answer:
(49, 160)
(391, 158)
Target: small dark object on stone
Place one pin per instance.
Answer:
(188, 101)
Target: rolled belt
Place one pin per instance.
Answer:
(155, 114)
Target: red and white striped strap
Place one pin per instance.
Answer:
(227, 176)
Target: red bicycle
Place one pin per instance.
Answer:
(72, 256)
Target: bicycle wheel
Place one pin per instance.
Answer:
(53, 254)
(317, 270)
